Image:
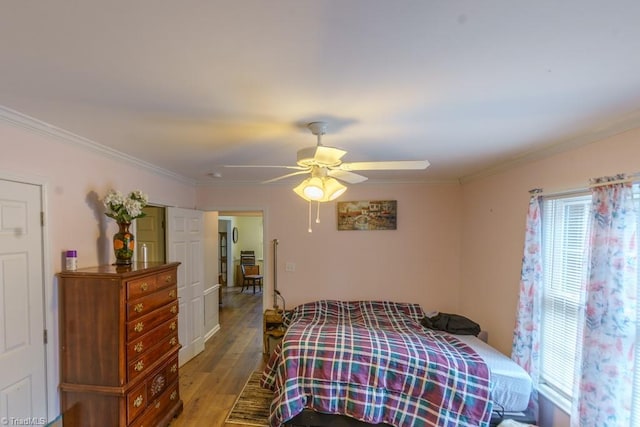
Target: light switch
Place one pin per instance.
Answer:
(290, 266)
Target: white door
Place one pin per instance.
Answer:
(22, 350)
(185, 244)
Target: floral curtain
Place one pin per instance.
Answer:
(525, 350)
(604, 378)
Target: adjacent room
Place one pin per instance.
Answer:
(202, 198)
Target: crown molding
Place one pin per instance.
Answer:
(31, 124)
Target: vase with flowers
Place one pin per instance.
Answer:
(124, 210)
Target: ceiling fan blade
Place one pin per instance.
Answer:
(346, 176)
(266, 166)
(390, 165)
(300, 172)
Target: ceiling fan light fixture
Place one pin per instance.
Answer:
(318, 189)
(333, 188)
(314, 189)
(311, 189)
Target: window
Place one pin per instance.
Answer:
(565, 255)
(565, 233)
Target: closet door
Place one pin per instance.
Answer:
(185, 244)
(22, 349)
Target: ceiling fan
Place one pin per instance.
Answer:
(326, 168)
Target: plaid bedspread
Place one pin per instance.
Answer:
(373, 361)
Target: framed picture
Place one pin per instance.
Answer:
(368, 215)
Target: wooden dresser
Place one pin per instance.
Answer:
(119, 345)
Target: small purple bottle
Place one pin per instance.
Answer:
(72, 260)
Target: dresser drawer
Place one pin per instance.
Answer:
(141, 287)
(159, 407)
(136, 402)
(169, 398)
(149, 284)
(144, 305)
(144, 324)
(141, 365)
(158, 381)
(136, 347)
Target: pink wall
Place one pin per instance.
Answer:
(418, 262)
(492, 227)
(493, 220)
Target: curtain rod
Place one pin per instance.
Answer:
(629, 178)
(540, 192)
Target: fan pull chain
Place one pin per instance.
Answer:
(310, 230)
(318, 214)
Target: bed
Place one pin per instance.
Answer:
(373, 362)
(511, 386)
(510, 389)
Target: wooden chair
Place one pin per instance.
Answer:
(251, 276)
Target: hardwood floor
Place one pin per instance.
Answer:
(211, 382)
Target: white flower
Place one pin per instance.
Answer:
(125, 209)
(133, 207)
(113, 198)
(139, 196)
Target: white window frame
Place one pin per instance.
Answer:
(565, 233)
(561, 395)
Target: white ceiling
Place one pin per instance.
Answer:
(192, 85)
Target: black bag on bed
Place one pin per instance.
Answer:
(452, 323)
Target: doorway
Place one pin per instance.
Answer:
(244, 232)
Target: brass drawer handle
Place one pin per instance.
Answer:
(172, 293)
(139, 327)
(144, 286)
(173, 395)
(173, 341)
(174, 368)
(138, 307)
(168, 278)
(157, 404)
(172, 326)
(174, 309)
(138, 347)
(138, 402)
(139, 366)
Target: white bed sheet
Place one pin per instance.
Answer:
(511, 385)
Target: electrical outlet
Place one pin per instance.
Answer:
(290, 266)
